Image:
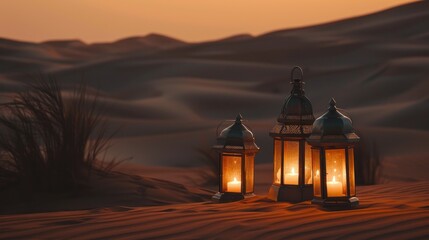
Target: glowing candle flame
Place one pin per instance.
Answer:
(291, 177)
(234, 186)
(335, 189)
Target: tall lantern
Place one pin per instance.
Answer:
(292, 154)
(332, 141)
(237, 149)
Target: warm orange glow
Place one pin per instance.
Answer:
(291, 162)
(277, 161)
(191, 20)
(336, 172)
(231, 173)
(316, 170)
(308, 165)
(250, 173)
(352, 172)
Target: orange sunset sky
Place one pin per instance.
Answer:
(189, 20)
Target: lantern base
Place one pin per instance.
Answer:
(294, 194)
(346, 203)
(230, 197)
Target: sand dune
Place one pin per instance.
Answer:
(146, 44)
(394, 22)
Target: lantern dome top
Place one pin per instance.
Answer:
(296, 111)
(237, 136)
(333, 127)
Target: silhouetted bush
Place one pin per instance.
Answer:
(367, 162)
(50, 142)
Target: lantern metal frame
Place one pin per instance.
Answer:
(334, 131)
(293, 124)
(236, 140)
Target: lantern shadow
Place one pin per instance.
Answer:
(300, 206)
(264, 204)
(69, 222)
(345, 208)
(169, 210)
(425, 207)
(260, 209)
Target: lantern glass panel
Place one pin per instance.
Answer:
(291, 162)
(249, 173)
(307, 166)
(316, 172)
(277, 160)
(231, 173)
(352, 172)
(336, 179)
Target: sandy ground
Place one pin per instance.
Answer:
(389, 211)
(396, 210)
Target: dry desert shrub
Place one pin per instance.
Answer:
(50, 141)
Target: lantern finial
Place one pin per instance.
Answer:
(332, 104)
(239, 118)
(293, 70)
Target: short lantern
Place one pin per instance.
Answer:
(236, 149)
(292, 155)
(332, 140)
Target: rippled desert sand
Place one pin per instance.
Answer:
(390, 211)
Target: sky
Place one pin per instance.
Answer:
(189, 20)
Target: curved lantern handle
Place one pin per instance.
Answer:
(293, 70)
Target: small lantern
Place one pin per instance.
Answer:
(332, 141)
(236, 148)
(292, 154)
